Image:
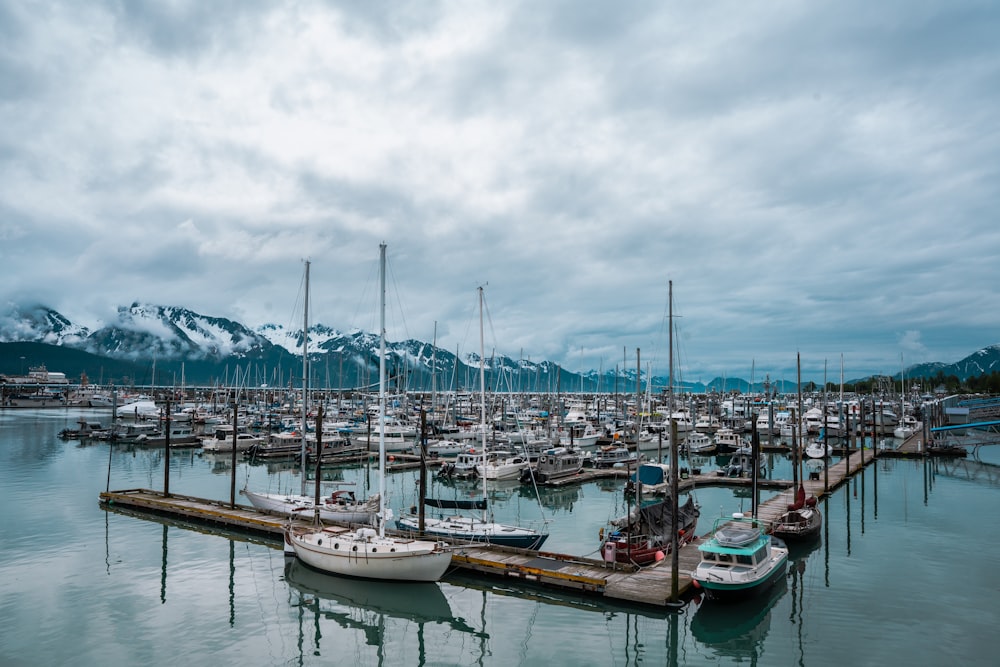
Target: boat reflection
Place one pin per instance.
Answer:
(366, 605)
(736, 629)
(552, 497)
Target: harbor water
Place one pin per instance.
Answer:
(905, 572)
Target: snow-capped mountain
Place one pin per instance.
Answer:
(146, 334)
(37, 323)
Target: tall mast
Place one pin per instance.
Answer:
(381, 392)
(305, 375)
(674, 542)
(482, 391)
(797, 456)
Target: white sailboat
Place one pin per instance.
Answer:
(340, 506)
(367, 552)
(469, 527)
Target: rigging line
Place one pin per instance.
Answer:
(399, 304)
(365, 301)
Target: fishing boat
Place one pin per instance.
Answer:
(739, 559)
(469, 526)
(367, 552)
(644, 535)
(464, 466)
(555, 463)
(613, 456)
(86, 429)
(699, 443)
(727, 441)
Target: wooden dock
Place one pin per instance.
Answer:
(624, 583)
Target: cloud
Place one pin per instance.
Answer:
(813, 178)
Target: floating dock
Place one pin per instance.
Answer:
(623, 583)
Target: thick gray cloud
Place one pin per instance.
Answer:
(813, 177)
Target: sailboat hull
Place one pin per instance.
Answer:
(303, 506)
(469, 529)
(365, 555)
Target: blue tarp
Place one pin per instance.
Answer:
(650, 475)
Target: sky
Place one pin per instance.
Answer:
(813, 178)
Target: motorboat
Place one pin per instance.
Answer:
(739, 559)
(555, 463)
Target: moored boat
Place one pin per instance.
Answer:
(739, 559)
(613, 456)
(699, 443)
(801, 521)
(645, 535)
(367, 552)
(555, 463)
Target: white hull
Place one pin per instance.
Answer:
(471, 529)
(243, 443)
(580, 442)
(816, 450)
(392, 444)
(365, 554)
(502, 472)
(304, 507)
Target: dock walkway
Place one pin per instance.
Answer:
(650, 585)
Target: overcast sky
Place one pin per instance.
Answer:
(814, 177)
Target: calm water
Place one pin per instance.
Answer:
(906, 573)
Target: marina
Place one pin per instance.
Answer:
(527, 565)
(160, 557)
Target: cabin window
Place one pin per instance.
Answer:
(725, 558)
(743, 559)
(761, 555)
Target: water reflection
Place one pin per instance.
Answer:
(368, 606)
(736, 629)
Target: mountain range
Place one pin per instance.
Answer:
(163, 345)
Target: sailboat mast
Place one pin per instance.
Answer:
(482, 390)
(381, 392)
(801, 444)
(674, 462)
(305, 374)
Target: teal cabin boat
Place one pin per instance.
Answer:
(739, 560)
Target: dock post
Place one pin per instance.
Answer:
(166, 452)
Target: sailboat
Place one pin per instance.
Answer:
(802, 519)
(470, 527)
(367, 552)
(341, 506)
